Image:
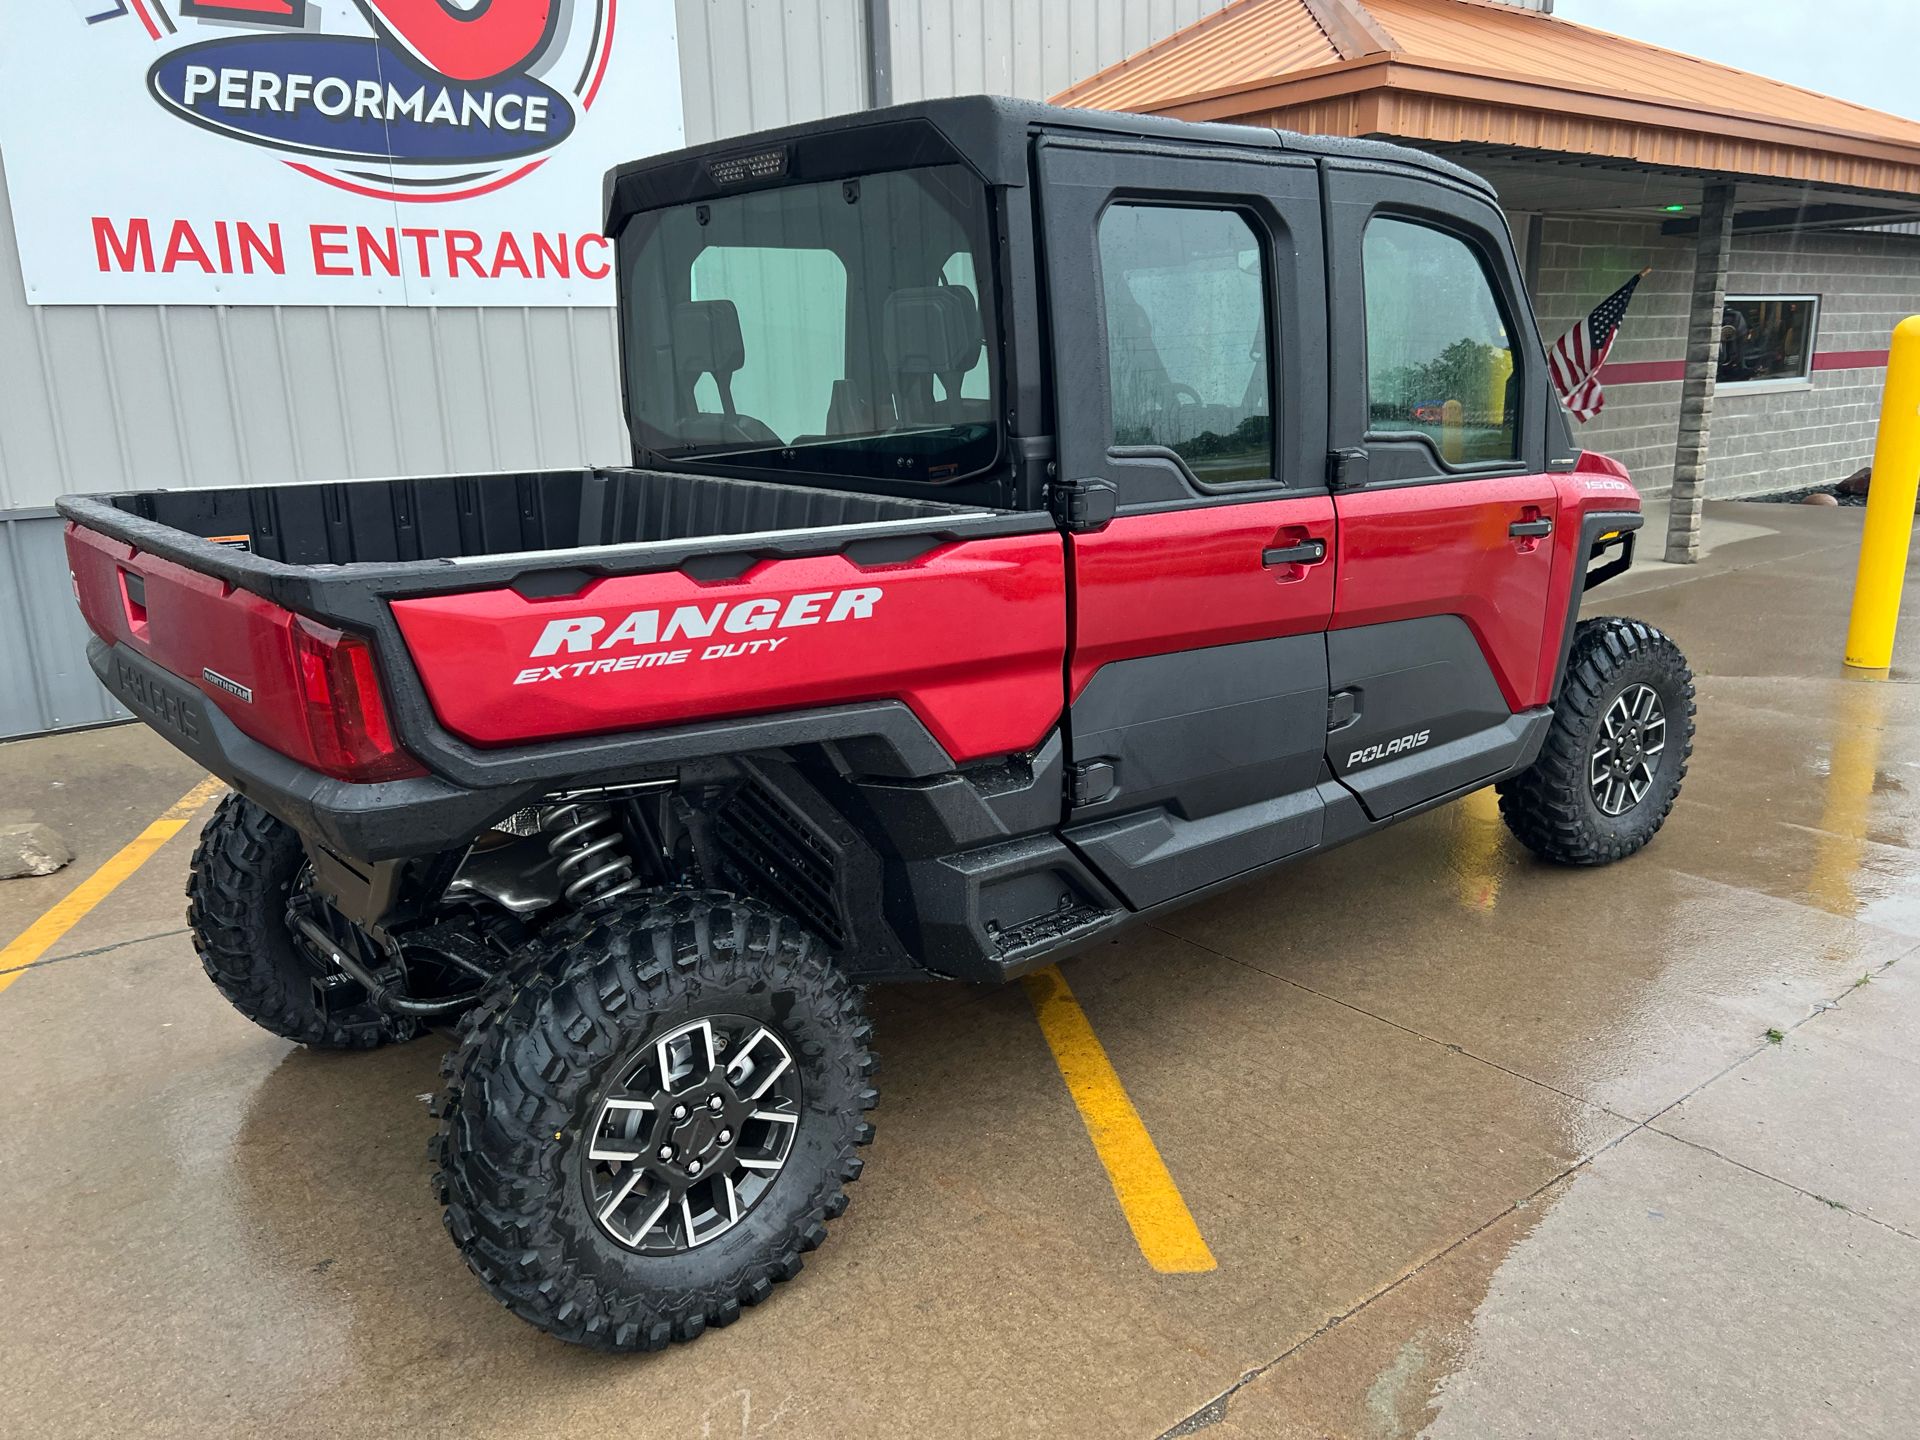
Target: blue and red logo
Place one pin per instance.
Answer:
(414, 100)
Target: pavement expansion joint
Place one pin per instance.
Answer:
(1216, 1409)
(1760, 1174)
(45, 960)
(1811, 909)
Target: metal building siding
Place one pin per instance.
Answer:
(753, 64)
(113, 397)
(749, 64)
(45, 683)
(99, 398)
(1022, 47)
(108, 397)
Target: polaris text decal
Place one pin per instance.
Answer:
(1389, 747)
(636, 638)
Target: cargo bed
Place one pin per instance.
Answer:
(531, 626)
(469, 517)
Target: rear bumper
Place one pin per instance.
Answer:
(369, 822)
(395, 818)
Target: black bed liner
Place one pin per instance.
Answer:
(442, 517)
(338, 550)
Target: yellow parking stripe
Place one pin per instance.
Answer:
(1162, 1225)
(44, 933)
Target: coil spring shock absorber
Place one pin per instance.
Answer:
(589, 850)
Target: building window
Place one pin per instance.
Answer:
(1439, 360)
(1186, 303)
(1768, 339)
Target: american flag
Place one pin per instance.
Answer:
(1576, 357)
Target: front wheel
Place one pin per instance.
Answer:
(650, 1123)
(1616, 752)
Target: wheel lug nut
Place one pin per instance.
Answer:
(679, 1112)
(666, 1152)
(693, 1167)
(726, 1136)
(714, 1102)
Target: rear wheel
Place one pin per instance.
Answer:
(244, 868)
(647, 1126)
(1616, 752)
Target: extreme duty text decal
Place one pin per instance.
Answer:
(641, 629)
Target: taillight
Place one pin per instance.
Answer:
(345, 714)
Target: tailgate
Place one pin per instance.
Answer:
(194, 626)
(970, 634)
(301, 688)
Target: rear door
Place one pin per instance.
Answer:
(1187, 306)
(1445, 509)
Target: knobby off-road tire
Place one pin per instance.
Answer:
(1557, 807)
(537, 1061)
(243, 869)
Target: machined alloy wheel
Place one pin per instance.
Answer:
(1633, 733)
(1615, 752)
(652, 1116)
(693, 1134)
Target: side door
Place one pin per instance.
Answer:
(1187, 305)
(1444, 561)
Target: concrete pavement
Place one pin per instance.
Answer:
(1481, 1147)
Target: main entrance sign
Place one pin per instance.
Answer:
(327, 151)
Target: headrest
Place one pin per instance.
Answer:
(932, 330)
(706, 338)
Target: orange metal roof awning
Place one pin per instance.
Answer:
(1468, 72)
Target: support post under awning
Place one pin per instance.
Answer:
(1703, 363)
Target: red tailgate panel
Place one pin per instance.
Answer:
(971, 636)
(189, 623)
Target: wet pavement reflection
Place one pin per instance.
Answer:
(1482, 1147)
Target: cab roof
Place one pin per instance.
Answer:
(988, 133)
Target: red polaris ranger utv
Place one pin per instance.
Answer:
(1037, 518)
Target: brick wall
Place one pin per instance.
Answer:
(1772, 441)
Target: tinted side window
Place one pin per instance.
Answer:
(1439, 357)
(1186, 313)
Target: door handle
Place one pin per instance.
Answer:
(1530, 529)
(1307, 552)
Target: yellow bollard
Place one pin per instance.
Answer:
(1498, 374)
(1453, 436)
(1890, 503)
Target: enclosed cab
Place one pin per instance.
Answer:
(1035, 519)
